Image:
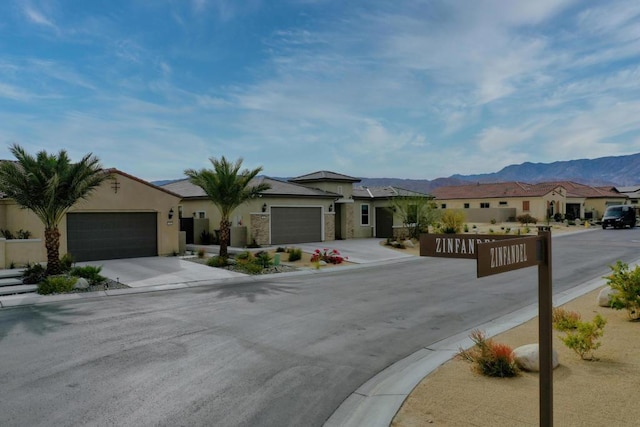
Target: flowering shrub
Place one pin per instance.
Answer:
(490, 358)
(329, 256)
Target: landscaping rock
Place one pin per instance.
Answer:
(408, 243)
(81, 284)
(527, 357)
(604, 297)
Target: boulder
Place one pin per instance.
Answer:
(527, 357)
(81, 284)
(604, 297)
(408, 244)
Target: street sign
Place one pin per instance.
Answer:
(506, 255)
(456, 245)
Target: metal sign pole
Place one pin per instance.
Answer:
(545, 335)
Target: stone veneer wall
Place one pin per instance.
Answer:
(349, 225)
(400, 233)
(329, 226)
(259, 228)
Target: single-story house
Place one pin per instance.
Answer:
(505, 201)
(320, 206)
(632, 192)
(124, 217)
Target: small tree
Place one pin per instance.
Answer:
(227, 187)
(451, 221)
(49, 185)
(416, 212)
(626, 283)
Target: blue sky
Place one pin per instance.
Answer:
(405, 88)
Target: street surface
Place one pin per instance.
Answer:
(280, 352)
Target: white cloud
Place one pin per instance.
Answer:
(37, 17)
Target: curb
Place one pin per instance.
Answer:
(376, 402)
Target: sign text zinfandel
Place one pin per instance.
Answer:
(456, 245)
(506, 255)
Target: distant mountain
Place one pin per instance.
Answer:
(617, 171)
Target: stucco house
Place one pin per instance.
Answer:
(320, 206)
(505, 201)
(124, 217)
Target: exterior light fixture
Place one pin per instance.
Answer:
(264, 207)
(170, 213)
(331, 207)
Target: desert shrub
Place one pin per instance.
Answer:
(280, 249)
(492, 221)
(201, 252)
(474, 226)
(466, 228)
(490, 358)
(565, 320)
(329, 256)
(295, 254)
(33, 274)
(399, 245)
(389, 241)
(491, 231)
(263, 259)
(451, 221)
(507, 230)
(250, 268)
(527, 230)
(56, 285)
(66, 262)
(584, 338)
(7, 234)
(216, 261)
(23, 234)
(206, 238)
(526, 219)
(626, 284)
(89, 272)
(244, 255)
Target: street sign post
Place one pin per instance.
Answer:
(497, 254)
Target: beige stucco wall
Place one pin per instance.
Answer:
(21, 252)
(132, 195)
(598, 206)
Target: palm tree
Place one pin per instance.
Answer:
(227, 188)
(49, 185)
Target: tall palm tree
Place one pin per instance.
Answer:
(228, 188)
(49, 185)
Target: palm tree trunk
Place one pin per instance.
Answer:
(224, 236)
(52, 243)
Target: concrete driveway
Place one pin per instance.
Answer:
(152, 271)
(359, 251)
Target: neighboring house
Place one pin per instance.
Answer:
(320, 206)
(124, 217)
(505, 201)
(377, 216)
(632, 192)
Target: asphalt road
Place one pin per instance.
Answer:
(281, 352)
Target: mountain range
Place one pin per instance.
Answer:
(616, 171)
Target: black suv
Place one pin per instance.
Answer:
(619, 216)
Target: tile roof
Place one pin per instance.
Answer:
(520, 189)
(385, 192)
(278, 188)
(324, 176)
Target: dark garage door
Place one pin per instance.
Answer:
(295, 225)
(96, 236)
(384, 222)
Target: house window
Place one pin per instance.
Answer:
(503, 203)
(201, 214)
(525, 205)
(340, 189)
(364, 214)
(443, 206)
(484, 205)
(466, 205)
(412, 214)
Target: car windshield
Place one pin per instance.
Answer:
(613, 211)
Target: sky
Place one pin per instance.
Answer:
(415, 89)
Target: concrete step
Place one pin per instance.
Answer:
(13, 272)
(10, 281)
(19, 289)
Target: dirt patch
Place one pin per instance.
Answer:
(586, 393)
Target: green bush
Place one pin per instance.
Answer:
(263, 259)
(493, 221)
(33, 274)
(565, 320)
(466, 228)
(7, 234)
(584, 338)
(280, 249)
(295, 254)
(250, 268)
(451, 221)
(216, 261)
(526, 219)
(66, 262)
(23, 234)
(89, 272)
(626, 285)
(244, 255)
(56, 285)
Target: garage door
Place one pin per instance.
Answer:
(97, 236)
(384, 222)
(296, 225)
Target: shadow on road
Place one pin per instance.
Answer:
(251, 291)
(38, 320)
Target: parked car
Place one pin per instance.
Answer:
(619, 216)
